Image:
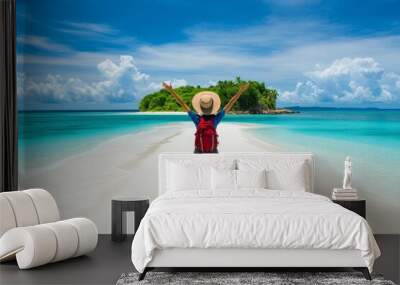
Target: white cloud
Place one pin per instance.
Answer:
(20, 84)
(95, 32)
(348, 67)
(177, 82)
(122, 82)
(92, 27)
(42, 43)
(76, 59)
(87, 29)
(306, 93)
(346, 81)
(272, 33)
(210, 48)
(126, 66)
(279, 52)
(187, 57)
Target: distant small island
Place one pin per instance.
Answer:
(258, 99)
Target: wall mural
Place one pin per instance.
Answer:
(94, 114)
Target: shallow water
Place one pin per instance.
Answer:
(370, 137)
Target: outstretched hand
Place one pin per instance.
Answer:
(233, 100)
(167, 86)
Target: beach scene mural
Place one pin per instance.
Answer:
(324, 77)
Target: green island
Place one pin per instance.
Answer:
(257, 99)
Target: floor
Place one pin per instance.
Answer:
(103, 266)
(110, 260)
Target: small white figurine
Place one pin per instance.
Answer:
(347, 173)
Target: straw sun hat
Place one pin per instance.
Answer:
(206, 103)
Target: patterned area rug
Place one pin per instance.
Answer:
(229, 278)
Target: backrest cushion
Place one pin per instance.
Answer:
(251, 179)
(23, 208)
(46, 206)
(187, 176)
(27, 208)
(7, 219)
(282, 174)
(223, 179)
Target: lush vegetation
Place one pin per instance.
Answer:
(257, 98)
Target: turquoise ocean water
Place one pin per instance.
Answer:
(49, 136)
(371, 137)
(369, 133)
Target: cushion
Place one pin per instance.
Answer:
(23, 208)
(67, 239)
(223, 179)
(187, 174)
(282, 174)
(27, 208)
(188, 177)
(87, 234)
(251, 178)
(7, 215)
(45, 205)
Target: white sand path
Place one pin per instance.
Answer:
(83, 185)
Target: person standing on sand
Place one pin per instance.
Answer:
(207, 116)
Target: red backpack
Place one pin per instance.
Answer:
(206, 136)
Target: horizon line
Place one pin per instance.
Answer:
(137, 110)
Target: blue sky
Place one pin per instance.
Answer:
(101, 54)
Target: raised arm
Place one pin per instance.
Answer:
(235, 97)
(178, 98)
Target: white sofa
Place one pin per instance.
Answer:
(31, 230)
